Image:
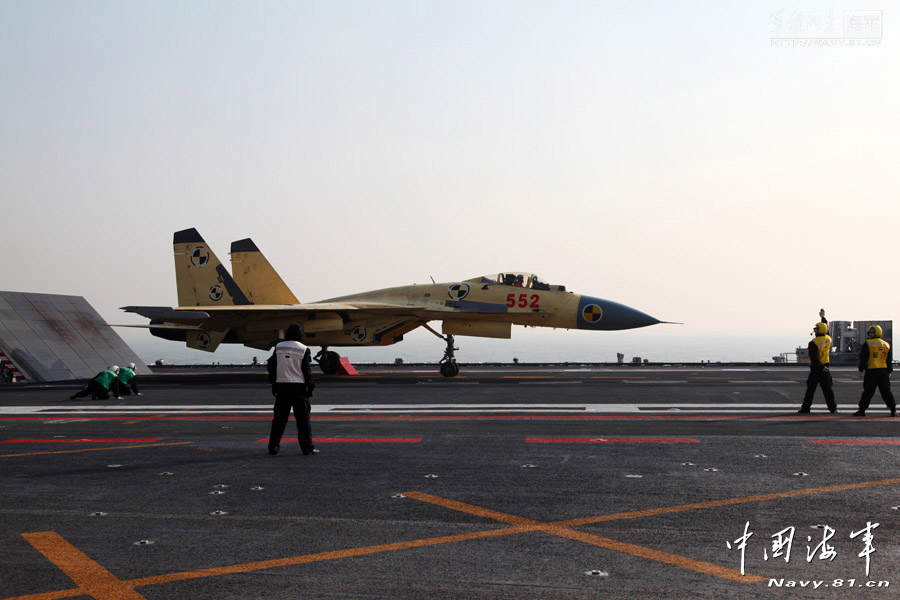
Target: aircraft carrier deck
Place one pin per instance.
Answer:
(505, 482)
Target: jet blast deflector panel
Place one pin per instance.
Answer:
(51, 337)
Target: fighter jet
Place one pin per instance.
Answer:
(253, 306)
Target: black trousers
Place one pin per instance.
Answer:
(127, 390)
(291, 396)
(819, 378)
(94, 390)
(880, 379)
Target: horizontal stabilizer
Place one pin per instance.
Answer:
(167, 313)
(172, 326)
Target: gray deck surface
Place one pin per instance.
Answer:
(507, 482)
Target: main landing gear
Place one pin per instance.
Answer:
(328, 360)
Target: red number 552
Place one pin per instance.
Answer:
(523, 300)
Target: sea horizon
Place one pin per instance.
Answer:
(526, 346)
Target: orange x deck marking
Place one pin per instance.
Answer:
(587, 538)
(93, 580)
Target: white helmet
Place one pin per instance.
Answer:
(114, 368)
(132, 366)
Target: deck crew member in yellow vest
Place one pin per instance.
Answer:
(819, 373)
(876, 362)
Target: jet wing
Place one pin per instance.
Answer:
(299, 308)
(355, 310)
(431, 311)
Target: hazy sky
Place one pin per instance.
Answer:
(671, 158)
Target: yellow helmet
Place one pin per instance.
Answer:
(874, 332)
(820, 328)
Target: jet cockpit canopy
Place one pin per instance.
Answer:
(517, 279)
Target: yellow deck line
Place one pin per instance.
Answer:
(281, 562)
(95, 449)
(318, 557)
(728, 502)
(91, 579)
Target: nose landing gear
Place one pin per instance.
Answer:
(449, 368)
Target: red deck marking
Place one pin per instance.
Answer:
(893, 443)
(358, 440)
(611, 441)
(78, 440)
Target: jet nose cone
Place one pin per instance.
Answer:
(597, 313)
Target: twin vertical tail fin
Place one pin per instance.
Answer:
(256, 277)
(201, 278)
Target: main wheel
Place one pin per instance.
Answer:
(449, 369)
(329, 363)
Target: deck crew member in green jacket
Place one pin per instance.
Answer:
(100, 386)
(128, 381)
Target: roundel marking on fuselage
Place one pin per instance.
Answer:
(200, 256)
(458, 291)
(203, 340)
(216, 292)
(358, 334)
(592, 313)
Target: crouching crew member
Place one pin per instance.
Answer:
(128, 381)
(819, 373)
(292, 384)
(101, 385)
(875, 366)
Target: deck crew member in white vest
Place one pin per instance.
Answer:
(819, 350)
(876, 362)
(292, 383)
